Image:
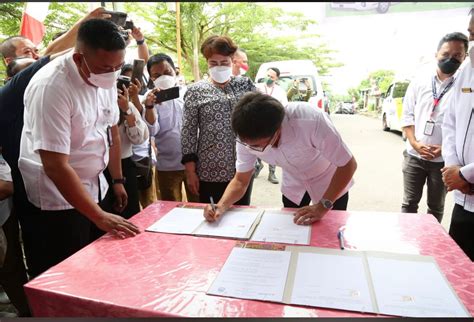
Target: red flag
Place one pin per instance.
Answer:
(32, 21)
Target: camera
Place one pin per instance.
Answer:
(123, 80)
(117, 17)
(128, 25)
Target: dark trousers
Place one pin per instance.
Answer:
(339, 204)
(216, 190)
(129, 171)
(13, 272)
(415, 173)
(462, 229)
(50, 237)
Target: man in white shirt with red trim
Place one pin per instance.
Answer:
(458, 152)
(69, 134)
(270, 87)
(317, 165)
(424, 106)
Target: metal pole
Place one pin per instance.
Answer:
(178, 34)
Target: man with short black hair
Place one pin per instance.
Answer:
(458, 152)
(317, 165)
(424, 105)
(70, 133)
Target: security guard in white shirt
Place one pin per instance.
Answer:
(317, 165)
(458, 152)
(70, 131)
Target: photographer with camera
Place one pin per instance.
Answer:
(300, 91)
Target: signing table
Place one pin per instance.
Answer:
(156, 274)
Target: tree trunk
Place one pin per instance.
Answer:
(195, 57)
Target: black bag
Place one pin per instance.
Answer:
(144, 170)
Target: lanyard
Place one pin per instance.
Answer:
(437, 98)
(266, 90)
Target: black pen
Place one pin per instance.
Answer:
(340, 236)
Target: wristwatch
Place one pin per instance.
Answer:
(119, 181)
(328, 204)
(149, 107)
(127, 112)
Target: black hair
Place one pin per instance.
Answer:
(100, 34)
(257, 116)
(8, 48)
(58, 34)
(276, 70)
(454, 36)
(126, 68)
(158, 58)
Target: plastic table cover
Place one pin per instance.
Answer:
(157, 274)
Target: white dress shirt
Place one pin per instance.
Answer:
(130, 135)
(64, 114)
(275, 91)
(458, 131)
(309, 151)
(418, 106)
(5, 204)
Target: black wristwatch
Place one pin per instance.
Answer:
(119, 181)
(127, 112)
(140, 42)
(149, 107)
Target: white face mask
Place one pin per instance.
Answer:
(105, 80)
(165, 81)
(220, 74)
(471, 52)
(242, 71)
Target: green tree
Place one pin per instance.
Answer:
(246, 23)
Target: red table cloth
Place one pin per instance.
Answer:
(156, 274)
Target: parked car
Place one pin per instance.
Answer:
(291, 70)
(380, 7)
(392, 106)
(345, 108)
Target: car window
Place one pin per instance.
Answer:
(400, 89)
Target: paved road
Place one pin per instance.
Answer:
(378, 180)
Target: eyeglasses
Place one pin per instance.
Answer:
(257, 148)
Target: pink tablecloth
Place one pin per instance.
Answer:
(168, 275)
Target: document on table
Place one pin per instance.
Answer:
(178, 221)
(413, 288)
(331, 281)
(278, 227)
(238, 224)
(234, 223)
(385, 283)
(253, 274)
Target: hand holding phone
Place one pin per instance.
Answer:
(167, 94)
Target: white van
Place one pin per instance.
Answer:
(291, 70)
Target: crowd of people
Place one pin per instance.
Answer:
(83, 152)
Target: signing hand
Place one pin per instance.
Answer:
(210, 215)
(309, 214)
(116, 225)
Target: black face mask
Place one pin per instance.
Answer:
(449, 65)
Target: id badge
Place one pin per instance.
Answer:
(109, 136)
(429, 128)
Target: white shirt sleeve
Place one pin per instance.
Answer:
(139, 133)
(245, 159)
(51, 128)
(5, 171)
(327, 139)
(409, 102)
(448, 127)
